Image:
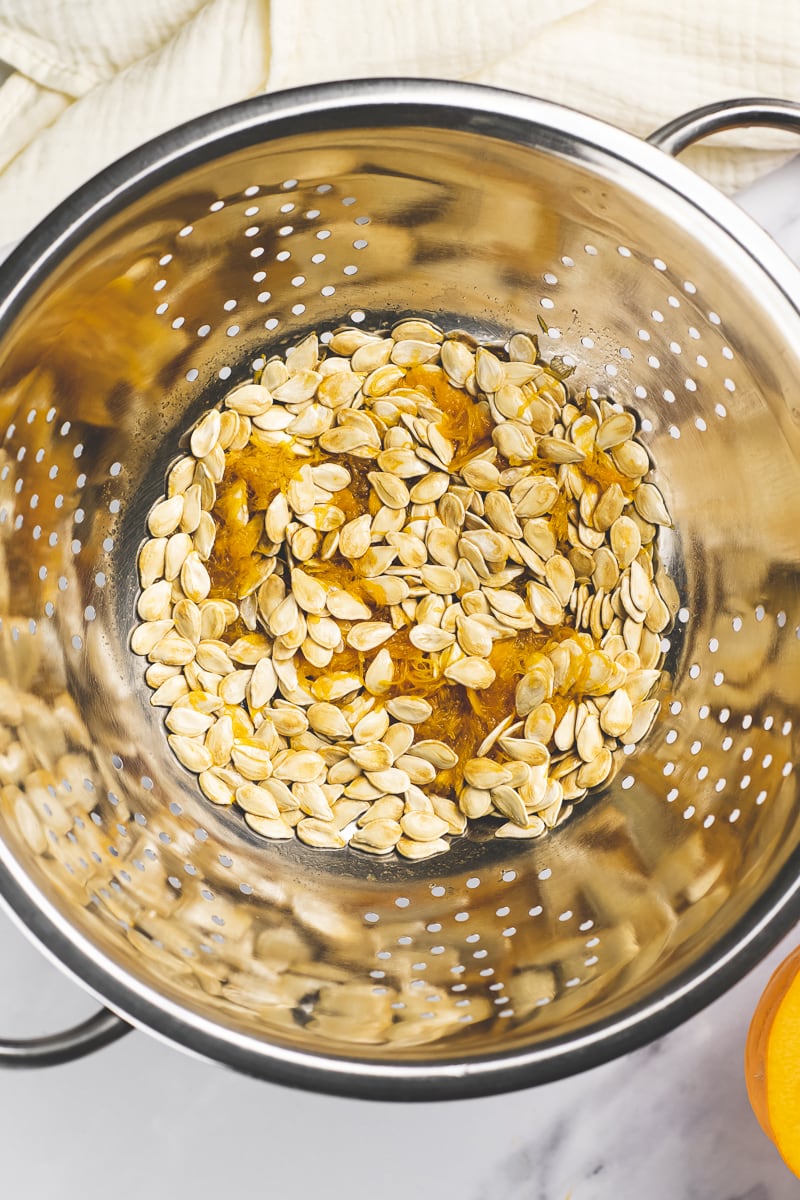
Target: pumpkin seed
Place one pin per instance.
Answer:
(413, 352)
(378, 836)
(430, 638)
(631, 459)
(151, 561)
(455, 559)
(533, 828)
(165, 517)
(442, 757)
(558, 450)
(421, 850)
(379, 674)
(323, 835)
(457, 360)
(215, 788)
(191, 753)
(650, 504)
(544, 603)
(429, 489)
(250, 399)
(147, 636)
(181, 476)
(423, 827)
(205, 434)
(471, 672)
(368, 635)
(389, 779)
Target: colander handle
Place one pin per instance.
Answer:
(100, 1030)
(683, 131)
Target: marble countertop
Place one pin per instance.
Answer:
(670, 1122)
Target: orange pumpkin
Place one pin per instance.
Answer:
(772, 1060)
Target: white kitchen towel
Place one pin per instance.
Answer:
(91, 79)
(95, 78)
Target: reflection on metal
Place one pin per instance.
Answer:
(505, 963)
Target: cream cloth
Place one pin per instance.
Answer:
(94, 78)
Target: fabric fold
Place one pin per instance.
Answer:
(93, 79)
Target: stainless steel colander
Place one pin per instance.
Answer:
(135, 307)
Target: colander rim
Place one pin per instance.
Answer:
(474, 108)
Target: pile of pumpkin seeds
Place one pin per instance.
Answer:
(541, 522)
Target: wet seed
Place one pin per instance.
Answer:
(452, 562)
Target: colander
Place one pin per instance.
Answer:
(136, 306)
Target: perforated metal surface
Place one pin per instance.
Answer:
(326, 968)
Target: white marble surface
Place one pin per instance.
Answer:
(670, 1122)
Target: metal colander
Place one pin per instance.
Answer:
(138, 305)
